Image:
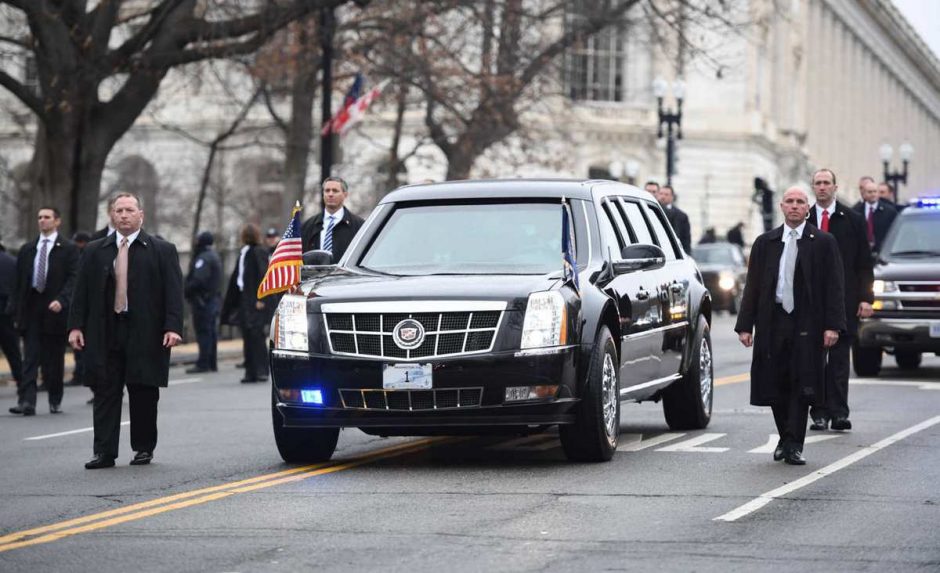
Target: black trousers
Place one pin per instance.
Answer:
(42, 352)
(837, 381)
(10, 345)
(205, 323)
(109, 397)
(790, 410)
(256, 353)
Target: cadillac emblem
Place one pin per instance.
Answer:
(408, 334)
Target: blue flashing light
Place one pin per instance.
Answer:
(927, 202)
(314, 396)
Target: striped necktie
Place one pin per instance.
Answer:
(328, 236)
(40, 282)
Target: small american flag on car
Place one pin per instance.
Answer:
(284, 266)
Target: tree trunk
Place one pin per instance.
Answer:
(300, 130)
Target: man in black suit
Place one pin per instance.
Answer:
(877, 214)
(45, 277)
(203, 283)
(794, 298)
(848, 228)
(242, 306)
(126, 315)
(9, 341)
(888, 194)
(341, 224)
(676, 216)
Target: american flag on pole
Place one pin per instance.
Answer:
(342, 116)
(353, 114)
(284, 266)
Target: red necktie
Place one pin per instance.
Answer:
(825, 222)
(871, 226)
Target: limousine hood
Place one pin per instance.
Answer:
(349, 286)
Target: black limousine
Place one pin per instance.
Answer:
(504, 305)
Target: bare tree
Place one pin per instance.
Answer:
(83, 53)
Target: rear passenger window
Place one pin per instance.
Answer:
(640, 229)
(665, 242)
(619, 222)
(608, 235)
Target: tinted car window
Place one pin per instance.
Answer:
(621, 220)
(913, 236)
(724, 255)
(505, 238)
(665, 242)
(640, 229)
(606, 223)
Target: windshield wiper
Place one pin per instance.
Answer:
(915, 253)
(378, 272)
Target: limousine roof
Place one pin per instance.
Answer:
(511, 188)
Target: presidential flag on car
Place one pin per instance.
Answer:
(284, 266)
(567, 246)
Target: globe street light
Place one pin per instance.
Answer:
(670, 119)
(905, 151)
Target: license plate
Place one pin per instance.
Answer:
(406, 376)
(935, 329)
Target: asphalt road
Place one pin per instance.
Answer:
(218, 498)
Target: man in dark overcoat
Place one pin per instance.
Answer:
(45, 276)
(126, 315)
(676, 216)
(202, 290)
(242, 306)
(9, 340)
(848, 228)
(792, 312)
(877, 213)
(333, 229)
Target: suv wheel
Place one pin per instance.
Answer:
(866, 361)
(593, 436)
(302, 445)
(907, 359)
(687, 403)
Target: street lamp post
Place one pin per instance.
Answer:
(670, 119)
(905, 151)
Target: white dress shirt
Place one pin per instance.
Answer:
(130, 241)
(819, 211)
(870, 208)
(337, 217)
(783, 257)
(240, 281)
(52, 238)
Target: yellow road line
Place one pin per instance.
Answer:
(162, 505)
(733, 379)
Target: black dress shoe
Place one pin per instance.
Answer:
(99, 461)
(197, 370)
(142, 459)
(841, 424)
(55, 409)
(819, 424)
(779, 451)
(794, 458)
(24, 410)
(16, 410)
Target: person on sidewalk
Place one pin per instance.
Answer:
(203, 283)
(242, 306)
(794, 298)
(9, 341)
(126, 315)
(45, 277)
(848, 227)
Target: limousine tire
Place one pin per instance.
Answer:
(593, 436)
(302, 445)
(687, 403)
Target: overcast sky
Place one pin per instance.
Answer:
(924, 15)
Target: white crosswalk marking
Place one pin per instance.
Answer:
(693, 445)
(635, 442)
(768, 448)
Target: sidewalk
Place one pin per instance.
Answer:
(180, 355)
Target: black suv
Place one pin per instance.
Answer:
(906, 321)
(455, 310)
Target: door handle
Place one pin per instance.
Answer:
(642, 295)
(676, 288)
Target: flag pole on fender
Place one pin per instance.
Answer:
(284, 267)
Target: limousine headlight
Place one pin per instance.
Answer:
(545, 321)
(292, 323)
(881, 287)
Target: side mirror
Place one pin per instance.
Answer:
(318, 258)
(639, 258)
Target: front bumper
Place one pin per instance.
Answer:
(904, 333)
(487, 374)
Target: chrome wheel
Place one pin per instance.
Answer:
(705, 373)
(610, 397)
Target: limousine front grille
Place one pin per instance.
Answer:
(446, 333)
(411, 400)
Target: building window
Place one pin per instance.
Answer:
(595, 67)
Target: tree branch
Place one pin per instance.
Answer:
(23, 94)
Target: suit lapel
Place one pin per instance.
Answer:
(804, 257)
